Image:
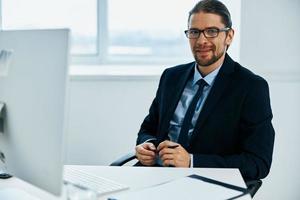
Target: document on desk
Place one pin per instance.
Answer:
(189, 187)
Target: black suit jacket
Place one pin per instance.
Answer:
(234, 128)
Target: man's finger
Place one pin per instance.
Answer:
(167, 157)
(149, 146)
(165, 144)
(145, 157)
(166, 151)
(143, 151)
(168, 163)
(148, 163)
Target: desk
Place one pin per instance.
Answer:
(137, 177)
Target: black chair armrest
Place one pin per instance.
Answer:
(253, 186)
(124, 159)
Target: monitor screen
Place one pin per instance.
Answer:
(33, 77)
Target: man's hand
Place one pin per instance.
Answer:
(145, 153)
(177, 156)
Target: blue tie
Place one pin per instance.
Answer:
(183, 138)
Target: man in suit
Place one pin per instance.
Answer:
(212, 112)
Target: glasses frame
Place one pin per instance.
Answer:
(204, 31)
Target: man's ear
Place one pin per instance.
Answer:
(229, 37)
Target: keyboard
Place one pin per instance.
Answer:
(93, 182)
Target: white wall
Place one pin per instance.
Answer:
(105, 113)
(270, 45)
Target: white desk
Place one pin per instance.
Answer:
(137, 178)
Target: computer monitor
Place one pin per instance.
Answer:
(33, 78)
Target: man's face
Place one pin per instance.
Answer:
(207, 51)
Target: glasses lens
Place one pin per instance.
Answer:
(192, 33)
(211, 32)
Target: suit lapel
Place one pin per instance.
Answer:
(174, 95)
(219, 87)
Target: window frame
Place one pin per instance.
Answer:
(101, 57)
(101, 40)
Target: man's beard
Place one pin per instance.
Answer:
(205, 63)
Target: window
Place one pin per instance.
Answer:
(149, 30)
(114, 31)
(78, 15)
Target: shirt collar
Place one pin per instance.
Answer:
(209, 78)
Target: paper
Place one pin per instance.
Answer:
(190, 187)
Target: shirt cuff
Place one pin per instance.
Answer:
(152, 140)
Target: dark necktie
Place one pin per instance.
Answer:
(183, 138)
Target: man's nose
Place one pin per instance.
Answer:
(201, 39)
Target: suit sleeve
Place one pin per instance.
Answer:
(256, 137)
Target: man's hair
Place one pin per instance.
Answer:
(215, 7)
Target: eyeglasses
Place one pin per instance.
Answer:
(194, 33)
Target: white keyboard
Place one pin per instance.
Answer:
(89, 181)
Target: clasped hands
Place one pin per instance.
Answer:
(178, 157)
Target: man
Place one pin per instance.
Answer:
(212, 112)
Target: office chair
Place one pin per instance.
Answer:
(124, 159)
(252, 185)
